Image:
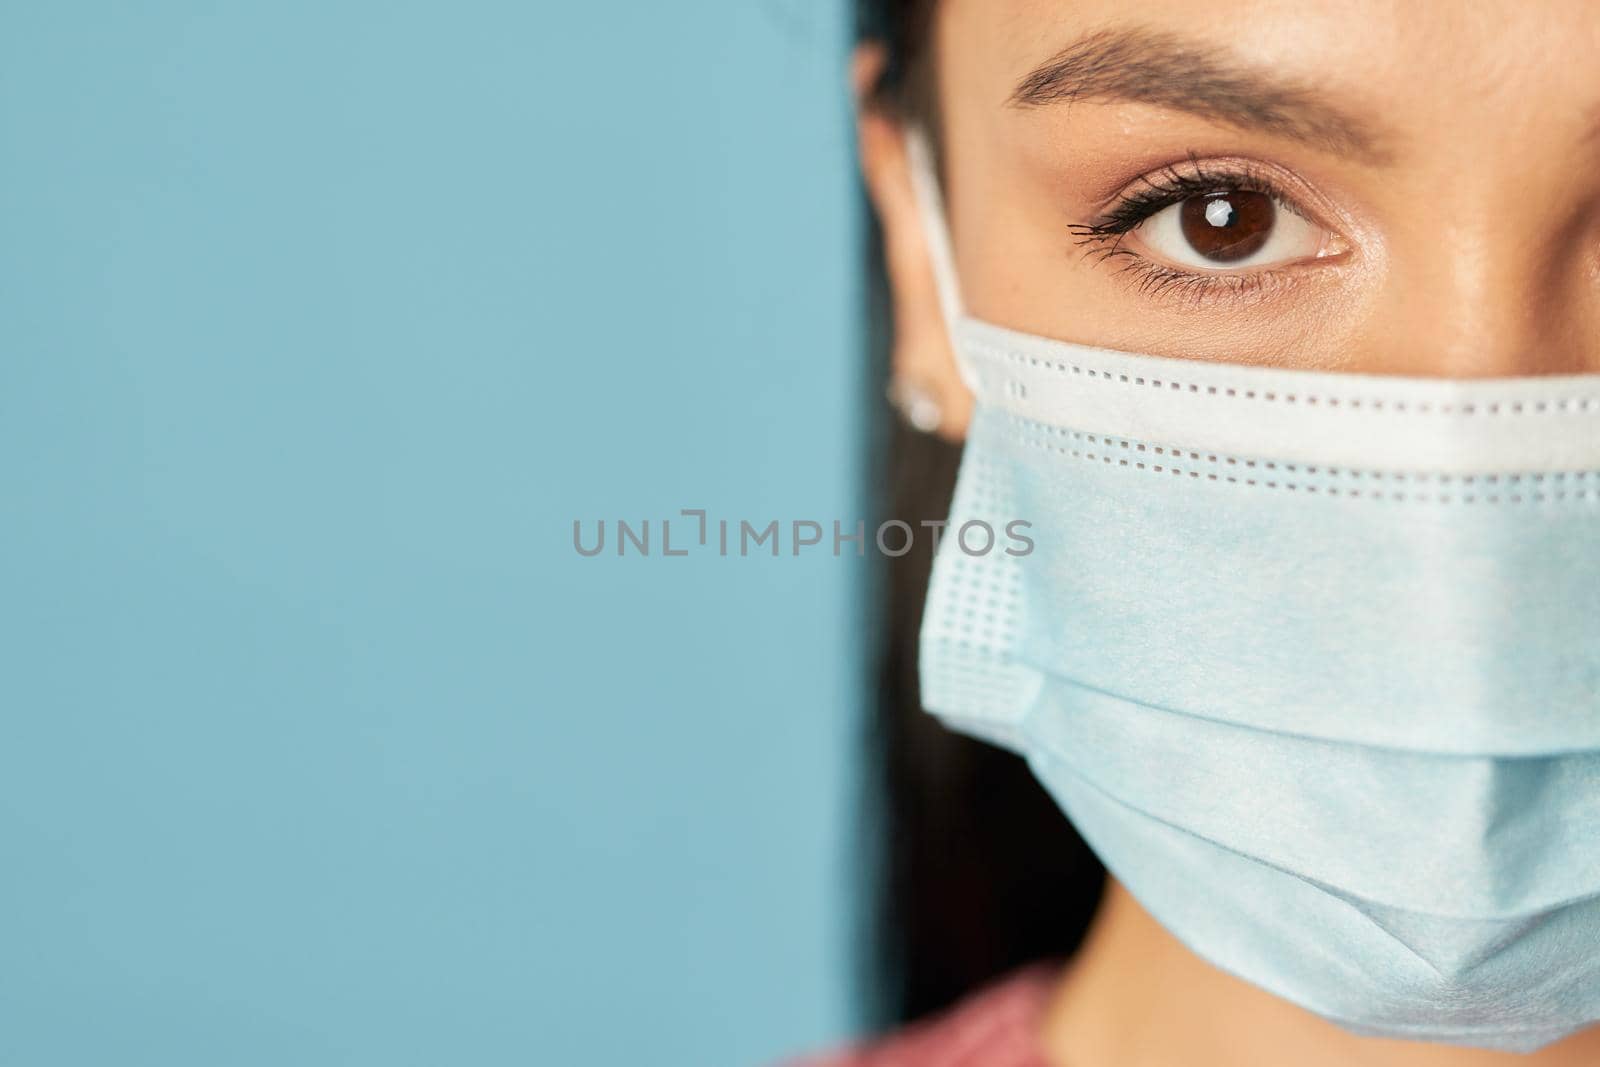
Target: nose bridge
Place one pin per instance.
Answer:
(1485, 279)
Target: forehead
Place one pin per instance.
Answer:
(1493, 69)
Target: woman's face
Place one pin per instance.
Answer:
(1356, 185)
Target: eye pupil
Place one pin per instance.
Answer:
(1228, 226)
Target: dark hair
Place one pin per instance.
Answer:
(972, 869)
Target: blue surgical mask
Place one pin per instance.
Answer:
(1311, 660)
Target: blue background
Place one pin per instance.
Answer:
(320, 323)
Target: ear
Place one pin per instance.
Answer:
(923, 361)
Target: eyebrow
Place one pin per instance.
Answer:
(1160, 69)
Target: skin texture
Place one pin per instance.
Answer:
(1447, 156)
(1469, 237)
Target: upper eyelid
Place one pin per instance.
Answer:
(1169, 184)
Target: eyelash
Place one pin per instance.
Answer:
(1104, 236)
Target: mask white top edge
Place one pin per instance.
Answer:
(1542, 424)
(1330, 383)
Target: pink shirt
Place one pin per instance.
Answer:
(998, 1026)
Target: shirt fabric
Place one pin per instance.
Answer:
(997, 1026)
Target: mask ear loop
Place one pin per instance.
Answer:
(936, 235)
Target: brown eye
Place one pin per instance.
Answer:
(1228, 231)
(1229, 226)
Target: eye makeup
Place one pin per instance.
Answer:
(1232, 220)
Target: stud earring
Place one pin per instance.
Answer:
(916, 404)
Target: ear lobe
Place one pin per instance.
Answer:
(922, 358)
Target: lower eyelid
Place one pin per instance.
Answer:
(1154, 279)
